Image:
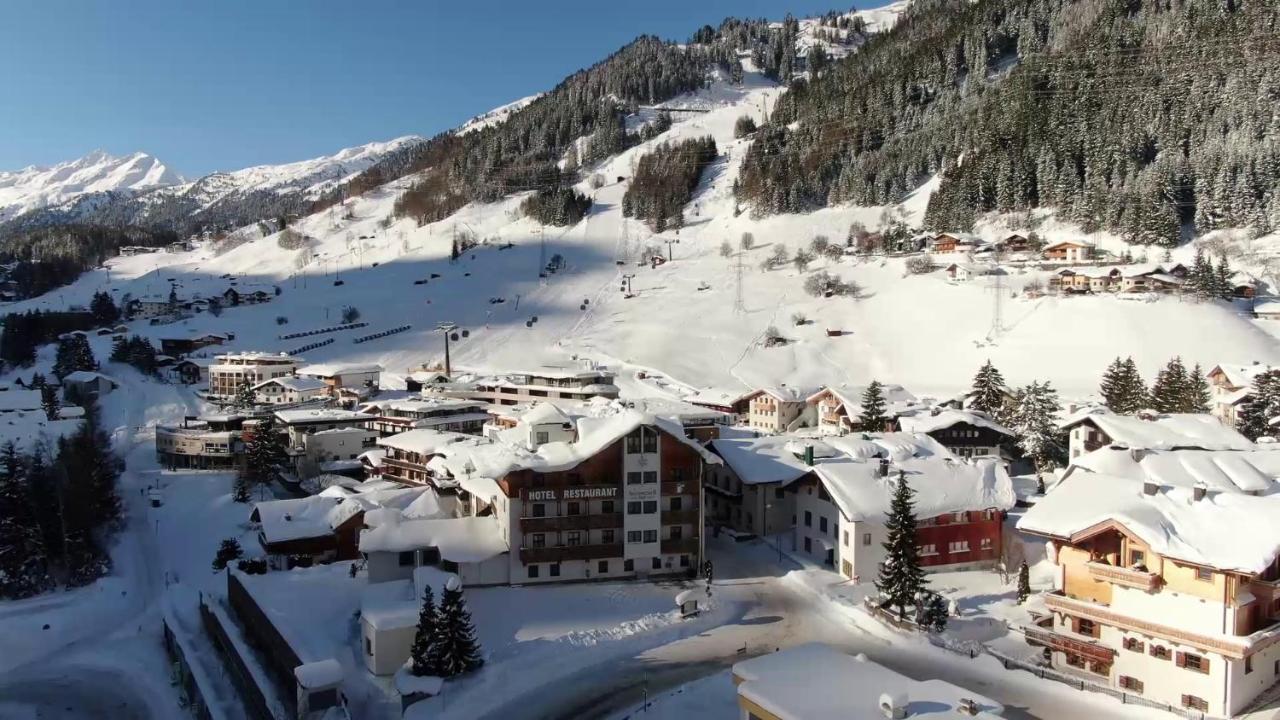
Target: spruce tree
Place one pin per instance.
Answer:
(1035, 423)
(1170, 390)
(988, 394)
(872, 417)
(24, 567)
(455, 650)
(935, 615)
(264, 453)
(229, 550)
(103, 309)
(422, 653)
(1197, 395)
(1261, 406)
(1024, 582)
(246, 397)
(1136, 395)
(1113, 387)
(49, 402)
(73, 354)
(901, 577)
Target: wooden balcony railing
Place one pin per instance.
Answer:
(1127, 577)
(680, 517)
(571, 522)
(570, 552)
(1092, 651)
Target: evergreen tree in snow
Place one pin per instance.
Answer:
(263, 454)
(241, 491)
(988, 394)
(1024, 582)
(455, 650)
(49, 402)
(1261, 406)
(1169, 393)
(1197, 396)
(23, 563)
(1035, 423)
(103, 309)
(935, 615)
(229, 550)
(73, 354)
(1136, 393)
(422, 652)
(1122, 387)
(1225, 286)
(901, 577)
(872, 417)
(246, 397)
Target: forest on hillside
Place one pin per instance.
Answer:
(1144, 117)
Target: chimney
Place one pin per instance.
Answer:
(808, 455)
(1137, 454)
(884, 467)
(1150, 488)
(1198, 491)
(967, 707)
(893, 705)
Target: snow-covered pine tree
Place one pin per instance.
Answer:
(241, 492)
(246, 398)
(1113, 386)
(1262, 405)
(1223, 273)
(1035, 423)
(872, 417)
(103, 308)
(901, 577)
(1197, 395)
(1135, 393)
(73, 354)
(421, 653)
(263, 455)
(229, 550)
(49, 402)
(1169, 392)
(1024, 582)
(455, 649)
(24, 567)
(988, 394)
(935, 615)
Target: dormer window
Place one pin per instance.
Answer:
(541, 437)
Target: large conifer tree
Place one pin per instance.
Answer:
(421, 653)
(24, 567)
(901, 577)
(872, 417)
(988, 394)
(455, 650)
(1170, 391)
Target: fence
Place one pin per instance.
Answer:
(384, 333)
(321, 331)
(312, 346)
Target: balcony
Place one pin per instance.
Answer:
(570, 522)
(570, 552)
(1063, 643)
(1126, 577)
(1233, 647)
(681, 546)
(680, 517)
(684, 487)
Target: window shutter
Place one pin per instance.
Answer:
(1204, 664)
(1075, 624)
(1181, 659)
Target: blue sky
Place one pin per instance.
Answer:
(224, 84)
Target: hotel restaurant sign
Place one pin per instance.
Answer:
(595, 492)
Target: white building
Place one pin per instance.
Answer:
(1092, 428)
(1230, 386)
(818, 682)
(1164, 589)
(777, 409)
(361, 378)
(837, 407)
(545, 383)
(232, 371)
(389, 617)
(748, 492)
(436, 413)
(289, 390)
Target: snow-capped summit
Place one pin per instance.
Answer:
(36, 187)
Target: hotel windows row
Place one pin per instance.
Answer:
(571, 507)
(572, 538)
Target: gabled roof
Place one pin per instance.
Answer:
(1162, 431)
(335, 369)
(296, 384)
(460, 540)
(928, 421)
(1064, 243)
(1235, 470)
(767, 459)
(941, 486)
(84, 376)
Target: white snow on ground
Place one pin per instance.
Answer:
(36, 187)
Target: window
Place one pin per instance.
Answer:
(368, 646)
(650, 477)
(533, 571)
(808, 519)
(866, 540)
(650, 439)
(1133, 644)
(650, 536)
(1204, 574)
(1159, 652)
(986, 543)
(1191, 661)
(633, 478)
(779, 493)
(539, 540)
(1076, 661)
(657, 563)
(677, 532)
(1137, 557)
(677, 474)
(633, 507)
(1131, 683)
(650, 507)
(808, 544)
(602, 567)
(628, 565)
(606, 507)
(541, 438)
(633, 536)
(406, 558)
(539, 510)
(1195, 703)
(606, 537)
(572, 509)
(555, 569)
(1086, 627)
(958, 546)
(573, 538)
(822, 524)
(677, 503)
(846, 538)
(1248, 664)
(633, 442)
(959, 517)
(929, 549)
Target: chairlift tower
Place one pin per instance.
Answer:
(739, 305)
(997, 311)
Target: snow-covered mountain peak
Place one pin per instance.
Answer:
(35, 186)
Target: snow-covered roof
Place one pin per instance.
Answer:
(897, 399)
(1064, 243)
(309, 415)
(1270, 307)
(1233, 470)
(816, 681)
(891, 445)
(941, 486)
(544, 413)
(20, 400)
(86, 376)
(787, 393)
(423, 441)
(426, 505)
(296, 384)
(719, 397)
(1239, 376)
(319, 515)
(396, 604)
(1162, 431)
(322, 673)
(420, 405)
(1227, 530)
(932, 421)
(327, 370)
(461, 540)
(767, 459)
(669, 407)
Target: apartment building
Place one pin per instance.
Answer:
(231, 371)
(546, 383)
(1168, 590)
(777, 409)
(966, 433)
(435, 413)
(1092, 428)
(1230, 387)
(210, 442)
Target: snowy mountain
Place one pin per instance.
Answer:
(35, 187)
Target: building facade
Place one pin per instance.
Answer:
(231, 371)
